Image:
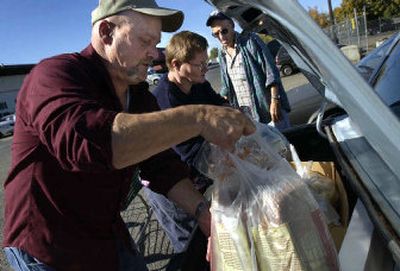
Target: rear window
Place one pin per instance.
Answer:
(387, 82)
(370, 62)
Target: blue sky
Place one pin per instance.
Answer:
(35, 29)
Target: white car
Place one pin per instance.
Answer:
(7, 125)
(153, 78)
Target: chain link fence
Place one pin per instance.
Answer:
(361, 32)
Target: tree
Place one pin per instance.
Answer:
(374, 8)
(213, 53)
(383, 9)
(319, 17)
(339, 14)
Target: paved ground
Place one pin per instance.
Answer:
(146, 231)
(293, 81)
(5, 149)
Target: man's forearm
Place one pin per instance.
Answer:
(136, 137)
(274, 109)
(274, 91)
(189, 199)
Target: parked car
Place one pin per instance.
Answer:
(381, 68)
(367, 65)
(154, 76)
(285, 63)
(273, 47)
(306, 101)
(212, 64)
(363, 141)
(7, 125)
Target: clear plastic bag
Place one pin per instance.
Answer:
(322, 188)
(275, 139)
(263, 215)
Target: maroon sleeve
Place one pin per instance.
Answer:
(63, 110)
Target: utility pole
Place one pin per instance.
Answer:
(332, 20)
(365, 26)
(357, 27)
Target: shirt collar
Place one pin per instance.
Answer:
(92, 56)
(234, 45)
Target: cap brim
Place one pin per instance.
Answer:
(171, 19)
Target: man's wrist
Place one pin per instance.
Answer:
(276, 97)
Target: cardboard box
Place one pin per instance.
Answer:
(328, 169)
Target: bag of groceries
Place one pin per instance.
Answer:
(322, 188)
(263, 215)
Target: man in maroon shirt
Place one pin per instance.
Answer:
(80, 134)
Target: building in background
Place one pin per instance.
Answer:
(11, 78)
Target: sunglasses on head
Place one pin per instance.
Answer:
(223, 32)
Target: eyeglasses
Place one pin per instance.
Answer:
(201, 66)
(223, 32)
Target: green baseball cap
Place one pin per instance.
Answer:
(171, 19)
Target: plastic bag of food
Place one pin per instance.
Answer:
(323, 188)
(275, 139)
(263, 215)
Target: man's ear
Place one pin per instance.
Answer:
(175, 64)
(106, 31)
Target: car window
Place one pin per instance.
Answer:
(274, 47)
(387, 81)
(369, 63)
(283, 53)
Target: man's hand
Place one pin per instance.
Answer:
(275, 110)
(223, 126)
(208, 254)
(204, 221)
